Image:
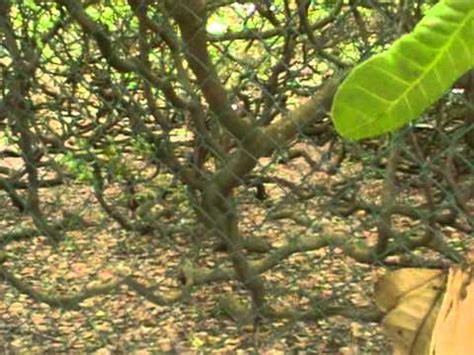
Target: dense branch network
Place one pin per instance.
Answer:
(163, 121)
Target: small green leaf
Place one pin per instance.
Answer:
(196, 342)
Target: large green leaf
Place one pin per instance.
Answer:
(395, 87)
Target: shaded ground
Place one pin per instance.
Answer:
(126, 322)
(123, 322)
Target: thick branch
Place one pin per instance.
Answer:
(191, 19)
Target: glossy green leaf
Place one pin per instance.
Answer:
(397, 86)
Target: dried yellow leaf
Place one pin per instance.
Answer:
(395, 285)
(412, 298)
(454, 329)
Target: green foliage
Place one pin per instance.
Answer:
(78, 167)
(110, 16)
(395, 87)
(7, 137)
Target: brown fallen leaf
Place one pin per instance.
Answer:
(37, 319)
